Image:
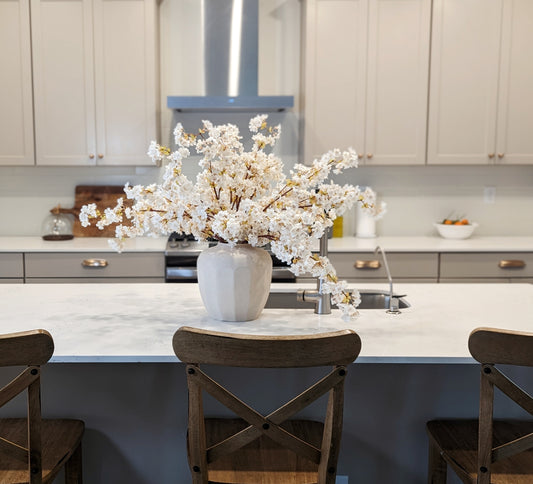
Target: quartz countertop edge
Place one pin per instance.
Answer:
(134, 323)
(340, 244)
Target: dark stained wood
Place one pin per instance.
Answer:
(26, 348)
(33, 450)
(338, 348)
(504, 347)
(105, 196)
(265, 449)
(487, 451)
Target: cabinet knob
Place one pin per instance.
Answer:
(91, 156)
(367, 264)
(96, 263)
(100, 155)
(511, 264)
(369, 156)
(501, 155)
(491, 155)
(359, 155)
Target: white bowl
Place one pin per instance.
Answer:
(456, 231)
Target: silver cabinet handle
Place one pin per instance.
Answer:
(367, 264)
(94, 263)
(511, 264)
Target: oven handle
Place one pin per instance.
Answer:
(182, 273)
(192, 273)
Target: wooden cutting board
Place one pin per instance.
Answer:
(105, 196)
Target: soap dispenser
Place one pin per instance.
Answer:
(57, 225)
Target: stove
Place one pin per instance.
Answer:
(182, 252)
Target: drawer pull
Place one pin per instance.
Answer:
(511, 264)
(367, 264)
(98, 263)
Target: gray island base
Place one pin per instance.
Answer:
(114, 367)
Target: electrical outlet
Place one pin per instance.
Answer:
(489, 194)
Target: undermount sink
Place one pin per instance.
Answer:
(370, 299)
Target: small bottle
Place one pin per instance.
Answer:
(337, 228)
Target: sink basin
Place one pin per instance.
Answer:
(370, 299)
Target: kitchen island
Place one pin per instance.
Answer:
(113, 366)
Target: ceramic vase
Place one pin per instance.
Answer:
(365, 225)
(234, 281)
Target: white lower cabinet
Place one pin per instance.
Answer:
(11, 268)
(73, 267)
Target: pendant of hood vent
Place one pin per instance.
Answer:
(230, 57)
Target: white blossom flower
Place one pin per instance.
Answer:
(242, 196)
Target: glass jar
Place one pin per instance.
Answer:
(57, 225)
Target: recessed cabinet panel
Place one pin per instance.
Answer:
(401, 265)
(63, 73)
(94, 265)
(486, 265)
(16, 116)
(515, 110)
(11, 266)
(125, 71)
(335, 75)
(366, 79)
(464, 81)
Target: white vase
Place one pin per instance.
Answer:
(234, 281)
(365, 225)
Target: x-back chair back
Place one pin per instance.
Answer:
(198, 347)
(33, 450)
(489, 450)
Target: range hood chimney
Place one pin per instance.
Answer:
(230, 55)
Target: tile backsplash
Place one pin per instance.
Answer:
(415, 196)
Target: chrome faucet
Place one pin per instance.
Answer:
(322, 301)
(393, 301)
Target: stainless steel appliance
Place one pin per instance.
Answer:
(182, 252)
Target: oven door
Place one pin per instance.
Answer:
(183, 269)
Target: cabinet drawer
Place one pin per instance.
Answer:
(11, 265)
(401, 264)
(98, 264)
(487, 264)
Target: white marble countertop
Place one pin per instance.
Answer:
(135, 322)
(342, 244)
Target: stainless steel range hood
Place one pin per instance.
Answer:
(230, 56)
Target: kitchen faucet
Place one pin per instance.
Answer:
(393, 301)
(322, 301)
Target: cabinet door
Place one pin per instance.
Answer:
(490, 265)
(63, 76)
(335, 75)
(125, 70)
(515, 110)
(463, 88)
(11, 266)
(16, 116)
(397, 85)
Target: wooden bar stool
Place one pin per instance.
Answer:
(256, 448)
(33, 450)
(488, 451)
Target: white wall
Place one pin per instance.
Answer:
(416, 196)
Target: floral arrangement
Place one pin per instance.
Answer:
(371, 207)
(242, 197)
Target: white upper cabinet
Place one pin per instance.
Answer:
(94, 80)
(366, 78)
(16, 117)
(514, 142)
(481, 101)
